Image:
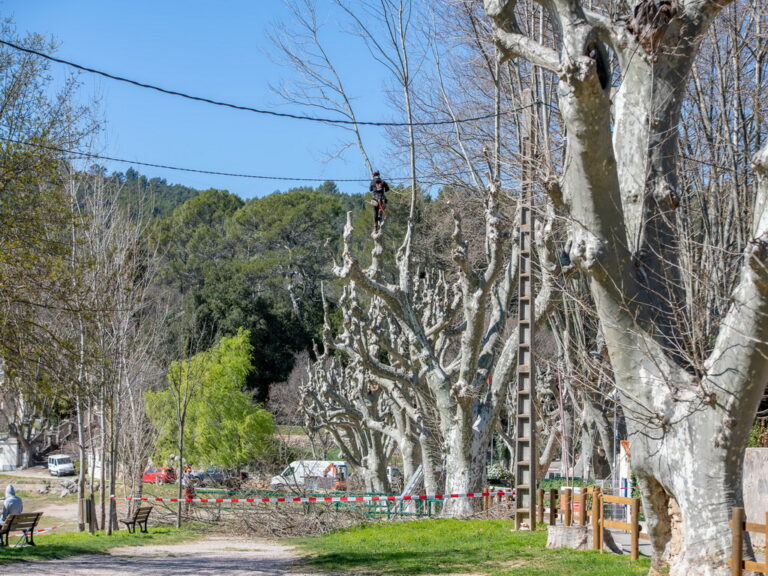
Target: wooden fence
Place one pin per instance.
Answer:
(633, 526)
(739, 525)
(590, 503)
(488, 501)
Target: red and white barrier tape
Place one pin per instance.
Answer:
(307, 499)
(37, 531)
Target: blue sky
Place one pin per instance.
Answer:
(216, 50)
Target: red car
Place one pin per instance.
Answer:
(159, 476)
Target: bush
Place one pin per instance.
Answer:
(560, 481)
(758, 438)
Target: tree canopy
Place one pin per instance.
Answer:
(224, 427)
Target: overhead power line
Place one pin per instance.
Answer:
(248, 176)
(182, 169)
(338, 121)
(80, 154)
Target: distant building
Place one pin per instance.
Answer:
(10, 455)
(3, 420)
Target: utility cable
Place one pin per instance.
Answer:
(178, 168)
(252, 176)
(251, 109)
(194, 170)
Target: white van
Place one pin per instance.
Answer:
(310, 474)
(60, 465)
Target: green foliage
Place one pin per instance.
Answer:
(37, 285)
(559, 482)
(152, 197)
(194, 237)
(453, 546)
(225, 303)
(223, 426)
(52, 546)
(258, 265)
(758, 437)
(284, 235)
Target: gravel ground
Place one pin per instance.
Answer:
(209, 557)
(37, 472)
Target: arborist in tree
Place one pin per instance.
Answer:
(379, 188)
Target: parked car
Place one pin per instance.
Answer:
(159, 475)
(312, 474)
(210, 477)
(60, 465)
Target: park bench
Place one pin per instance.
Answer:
(139, 517)
(24, 523)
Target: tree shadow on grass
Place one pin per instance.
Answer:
(412, 563)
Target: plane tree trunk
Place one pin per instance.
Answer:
(687, 422)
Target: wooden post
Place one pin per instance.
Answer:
(596, 532)
(540, 506)
(582, 507)
(765, 568)
(737, 530)
(567, 506)
(635, 547)
(552, 507)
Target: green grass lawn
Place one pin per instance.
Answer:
(51, 546)
(456, 546)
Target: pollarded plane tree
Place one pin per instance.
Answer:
(378, 358)
(341, 400)
(458, 354)
(688, 422)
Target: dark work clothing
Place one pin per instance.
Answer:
(379, 188)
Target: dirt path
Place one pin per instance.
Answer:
(208, 557)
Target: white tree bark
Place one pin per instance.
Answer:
(687, 424)
(457, 376)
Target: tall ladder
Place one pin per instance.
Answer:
(525, 446)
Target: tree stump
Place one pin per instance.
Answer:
(578, 538)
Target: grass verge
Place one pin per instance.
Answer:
(456, 546)
(52, 546)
